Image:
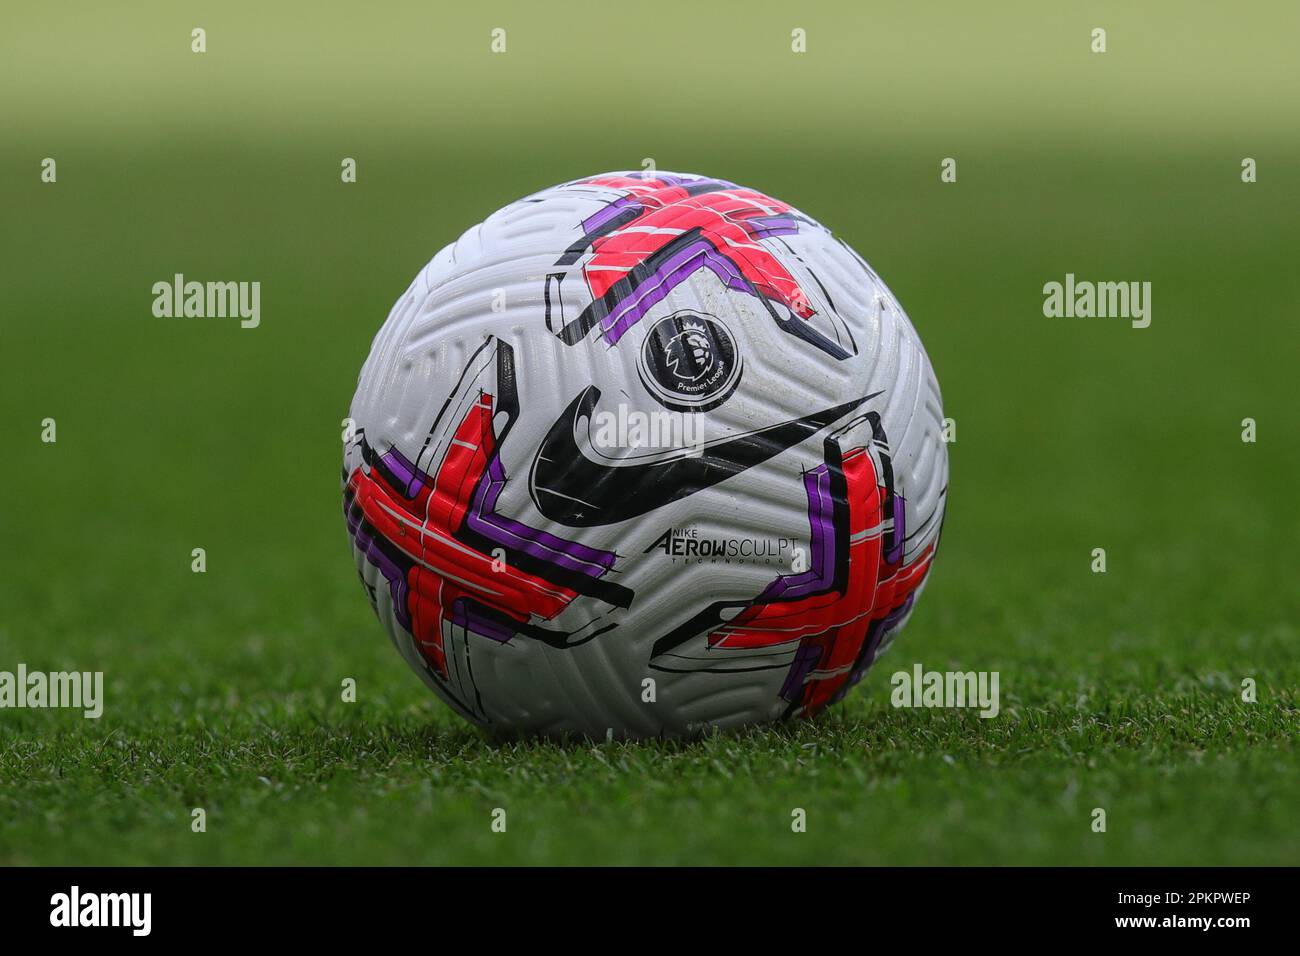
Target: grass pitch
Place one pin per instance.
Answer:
(1120, 690)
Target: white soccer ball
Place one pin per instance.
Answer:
(644, 453)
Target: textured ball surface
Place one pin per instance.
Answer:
(644, 453)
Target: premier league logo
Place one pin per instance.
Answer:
(689, 362)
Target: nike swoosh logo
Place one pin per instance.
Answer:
(570, 488)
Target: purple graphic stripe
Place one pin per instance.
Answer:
(484, 520)
(598, 221)
(895, 554)
(817, 485)
(765, 227)
(465, 616)
(875, 635)
(398, 588)
(805, 659)
(679, 267)
(410, 479)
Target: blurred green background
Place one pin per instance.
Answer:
(1119, 690)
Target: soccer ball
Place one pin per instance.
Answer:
(644, 454)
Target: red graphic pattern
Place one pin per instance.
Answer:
(443, 571)
(833, 626)
(729, 218)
